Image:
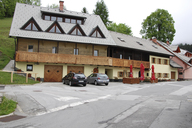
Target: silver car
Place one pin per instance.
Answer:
(98, 78)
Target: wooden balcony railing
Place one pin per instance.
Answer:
(76, 59)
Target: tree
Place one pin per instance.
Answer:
(186, 46)
(2, 10)
(53, 6)
(84, 10)
(102, 11)
(159, 24)
(121, 28)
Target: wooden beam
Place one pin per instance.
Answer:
(11, 77)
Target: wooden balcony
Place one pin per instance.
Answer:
(76, 59)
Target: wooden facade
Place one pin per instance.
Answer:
(76, 59)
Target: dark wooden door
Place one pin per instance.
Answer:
(172, 75)
(76, 69)
(53, 73)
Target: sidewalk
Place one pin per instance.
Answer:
(9, 66)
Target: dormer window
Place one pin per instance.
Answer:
(66, 19)
(55, 28)
(76, 30)
(121, 39)
(139, 43)
(97, 33)
(31, 25)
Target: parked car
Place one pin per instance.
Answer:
(98, 78)
(75, 78)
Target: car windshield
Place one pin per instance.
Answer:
(103, 75)
(79, 75)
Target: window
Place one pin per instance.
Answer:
(47, 17)
(96, 53)
(31, 25)
(76, 51)
(122, 40)
(97, 33)
(159, 61)
(120, 74)
(55, 28)
(139, 43)
(53, 18)
(30, 48)
(165, 75)
(73, 21)
(159, 75)
(153, 60)
(76, 30)
(59, 19)
(67, 20)
(54, 50)
(29, 67)
(165, 62)
(121, 56)
(79, 21)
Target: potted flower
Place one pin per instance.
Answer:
(38, 79)
(29, 75)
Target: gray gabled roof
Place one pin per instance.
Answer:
(24, 12)
(174, 64)
(173, 47)
(133, 43)
(185, 59)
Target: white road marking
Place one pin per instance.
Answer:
(61, 98)
(182, 91)
(72, 105)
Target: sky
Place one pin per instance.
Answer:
(133, 12)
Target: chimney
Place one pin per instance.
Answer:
(61, 6)
(167, 42)
(154, 39)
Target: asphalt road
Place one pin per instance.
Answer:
(145, 105)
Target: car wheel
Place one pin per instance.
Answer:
(84, 84)
(63, 81)
(70, 84)
(96, 83)
(106, 84)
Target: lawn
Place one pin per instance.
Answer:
(7, 45)
(5, 78)
(7, 106)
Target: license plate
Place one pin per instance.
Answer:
(81, 81)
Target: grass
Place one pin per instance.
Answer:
(7, 106)
(7, 45)
(5, 78)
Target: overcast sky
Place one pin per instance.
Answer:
(132, 13)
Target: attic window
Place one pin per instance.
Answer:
(155, 46)
(139, 43)
(31, 25)
(122, 40)
(76, 30)
(97, 33)
(55, 28)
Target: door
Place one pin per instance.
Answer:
(76, 69)
(173, 75)
(53, 73)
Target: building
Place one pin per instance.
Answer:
(180, 59)
(54, 42)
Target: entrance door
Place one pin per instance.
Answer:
(76, 69)
(53, 73)
(173, 75)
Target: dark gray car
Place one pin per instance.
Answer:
(98, 78)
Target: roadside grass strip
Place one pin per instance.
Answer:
(7, 106)
(72, 105)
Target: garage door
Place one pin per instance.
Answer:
(75, 69)
(172, 75)
(53, 73)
